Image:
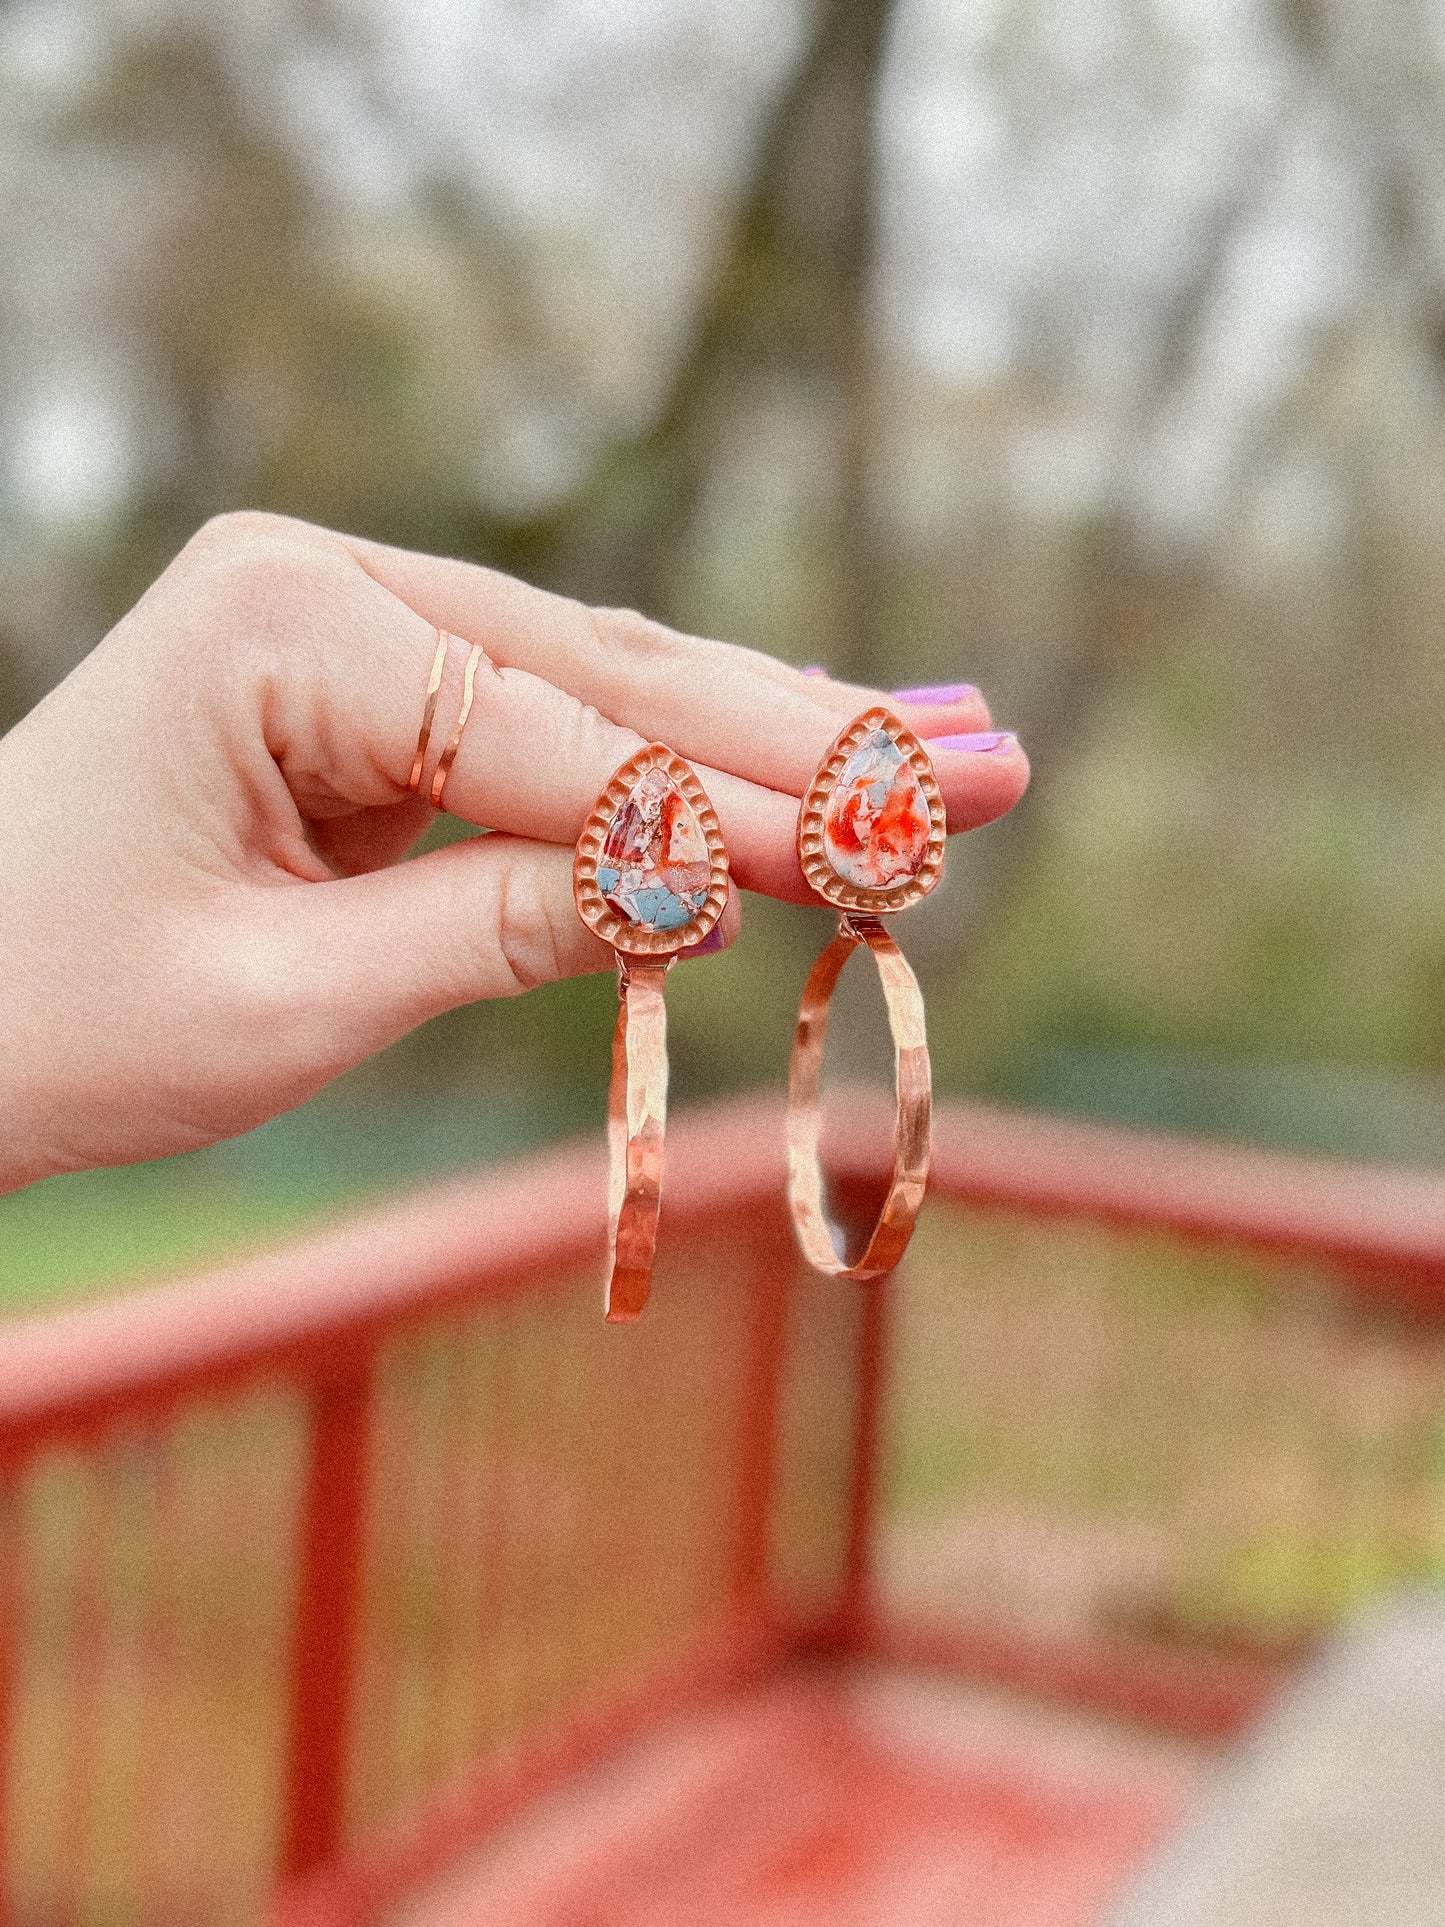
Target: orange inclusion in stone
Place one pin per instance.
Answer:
(654, 868)
(875, 826)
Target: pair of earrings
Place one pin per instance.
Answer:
(651, 878)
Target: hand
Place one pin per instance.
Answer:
(202, 915)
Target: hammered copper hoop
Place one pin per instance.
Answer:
(637, 1095)
(914, 1077)
(862, 906)
(636, 1123)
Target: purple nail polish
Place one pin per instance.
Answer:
(813, 669)
(710, 945)
(978, 743)
(940, 693)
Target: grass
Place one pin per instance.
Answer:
(108, 1230)
(70, 1237)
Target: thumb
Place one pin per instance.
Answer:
(386, 950)
(490, 917)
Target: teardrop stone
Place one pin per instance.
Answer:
(654, 868)
(875, 826)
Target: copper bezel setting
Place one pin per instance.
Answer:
(812, 855)
(593, 907)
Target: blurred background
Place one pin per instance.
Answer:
(1091, 350)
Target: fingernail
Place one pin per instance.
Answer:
(814, 669)
(978, 743)
(710, 945)
(938, 692)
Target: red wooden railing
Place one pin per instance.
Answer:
(315, 1567)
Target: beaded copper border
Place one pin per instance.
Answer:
(593, 907)
(811, 853)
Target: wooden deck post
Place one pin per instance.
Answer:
(328, 1618)
(856, 1603)
(772, 1268)
(10, 1629)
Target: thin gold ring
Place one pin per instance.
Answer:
(428, 714)
(449, 754)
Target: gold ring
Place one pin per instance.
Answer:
(438, 667)
(449, 754)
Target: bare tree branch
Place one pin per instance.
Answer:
(792, 292)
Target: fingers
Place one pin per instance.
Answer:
(488, 918)
(723, 707)
(533, 760)
(346, 632)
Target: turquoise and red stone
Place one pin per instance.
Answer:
(654, 869)
(875, 826)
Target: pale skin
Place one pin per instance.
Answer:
(204, 914)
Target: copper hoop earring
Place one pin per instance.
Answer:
(650, 877)
(871, 835)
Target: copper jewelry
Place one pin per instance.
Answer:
(651, 878)
(449, 754)
(871, 836)
(428, 714)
